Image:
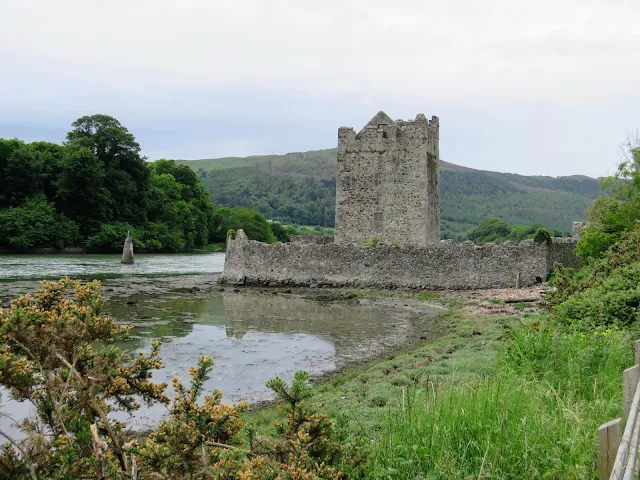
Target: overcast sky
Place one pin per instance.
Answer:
(534, 87)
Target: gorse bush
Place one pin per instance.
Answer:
(57, 353)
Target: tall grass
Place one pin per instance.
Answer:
(537, 417)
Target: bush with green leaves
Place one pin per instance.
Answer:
(542, 235)
(111, 236)
(36, 224)
(614, 301)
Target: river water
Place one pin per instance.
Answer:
(252, 334)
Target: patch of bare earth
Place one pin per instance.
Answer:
(499, 301)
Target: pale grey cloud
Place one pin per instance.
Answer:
(532, 87)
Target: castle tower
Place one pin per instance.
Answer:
(388, 183)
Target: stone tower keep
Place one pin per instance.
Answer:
(388, 183)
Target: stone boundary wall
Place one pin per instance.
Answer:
(562, 250)
(431, 267)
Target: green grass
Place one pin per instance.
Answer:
(535, 417)
(358, 399)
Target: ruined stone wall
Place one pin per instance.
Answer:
(562, 250)
(387, 184)
(442, 266)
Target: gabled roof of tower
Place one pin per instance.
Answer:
(379, 118)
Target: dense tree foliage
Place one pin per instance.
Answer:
(605, 291)
(496, 230)
(299, 188)
(96, 187)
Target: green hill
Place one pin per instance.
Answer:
(299, 188)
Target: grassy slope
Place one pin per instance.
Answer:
(300, 188)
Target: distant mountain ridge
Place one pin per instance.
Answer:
(299, 188)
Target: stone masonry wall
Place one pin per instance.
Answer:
(387, 185)
(439, 266)
(562, 250)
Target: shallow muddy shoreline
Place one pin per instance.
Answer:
(163, 307)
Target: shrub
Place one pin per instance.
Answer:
(542, 235)
(614, 301)
(36, 224)
(594, 244)
(111, 236)
(58, 353)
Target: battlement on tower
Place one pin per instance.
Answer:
(387, 185)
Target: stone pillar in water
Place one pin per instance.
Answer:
(127, 251)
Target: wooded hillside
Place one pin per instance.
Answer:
(299, 188)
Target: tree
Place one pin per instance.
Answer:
(253, 223)
(610, 217)
(81, 192)
(50, 156)
(7, 147)
(490, 230)
(126, 173)
(36, 224)
(22, 175)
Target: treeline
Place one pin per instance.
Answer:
(286, 198)
(495, 230)
(605, 292)
(96, 187)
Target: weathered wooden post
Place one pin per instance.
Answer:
(609, 436)
(623, 446)
(127, 250)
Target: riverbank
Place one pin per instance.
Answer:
(462, 342)
(502, 392)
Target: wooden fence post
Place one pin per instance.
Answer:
(630, 379)
(637, 352)
(609, 436)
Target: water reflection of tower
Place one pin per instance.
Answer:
(238, 334)
(349, 328)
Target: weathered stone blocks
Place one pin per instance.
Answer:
(385, 266)
(388, 182)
